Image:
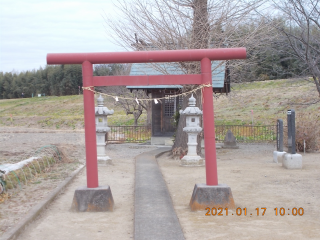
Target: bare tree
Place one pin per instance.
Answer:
(186, 24)
(134, 107)
(124, 98)
(124, 95)
(301, 27)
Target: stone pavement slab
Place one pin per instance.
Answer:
(154, 215)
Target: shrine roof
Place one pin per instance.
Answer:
(155, 69)
(218, 73)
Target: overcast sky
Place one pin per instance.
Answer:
(29, 29)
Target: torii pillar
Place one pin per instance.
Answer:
(99, 198)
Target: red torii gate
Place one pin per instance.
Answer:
(205, 56)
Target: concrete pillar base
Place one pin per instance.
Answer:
(104, 160)
(205, 196)
(168, 142)
(230, 147)
(292, 161)
(278, 156)
(192, 161)
(92, 199)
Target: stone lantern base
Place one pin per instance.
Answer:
(192, 161)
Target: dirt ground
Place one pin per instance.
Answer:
(255, 181)
(17, 144)
(58, 222)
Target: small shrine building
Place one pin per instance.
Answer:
(162, 123)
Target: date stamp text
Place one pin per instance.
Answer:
(257, 211)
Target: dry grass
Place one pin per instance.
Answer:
(307, 132)
(65, 112)
(269, 101)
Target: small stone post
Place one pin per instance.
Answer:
(279, 154)
(230, 141)
(280, 135)
(291, 131)
(192, 128)
(102, 128)
(292, 160)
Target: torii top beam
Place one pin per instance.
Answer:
(147, 56)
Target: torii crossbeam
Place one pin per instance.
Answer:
(205, 56)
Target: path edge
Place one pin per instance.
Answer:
(38, 209)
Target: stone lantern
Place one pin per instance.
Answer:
(192, 128)
(102, 128)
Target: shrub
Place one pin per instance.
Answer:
(308, 130)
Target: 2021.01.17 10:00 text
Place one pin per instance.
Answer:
(257, 212)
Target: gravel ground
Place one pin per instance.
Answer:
(19, 143)
(255, 181)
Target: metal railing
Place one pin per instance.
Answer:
(247, 133)
(128, 134)
(242, 133)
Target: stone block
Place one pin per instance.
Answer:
(92, 199)
(230, 141)
(292, 161)
(168, 142)
(104, 160)
(278, 156)
(219, 145)
(160, 140)
(192, 161)
(204, 196)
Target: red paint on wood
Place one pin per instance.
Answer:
(146, 80)
(147, 56)
(90, 128)
(208, 125)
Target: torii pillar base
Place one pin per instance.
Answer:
(205, 196)
(92, 199)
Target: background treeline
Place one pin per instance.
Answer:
(273, 62)
(59, 80)
(273, 59)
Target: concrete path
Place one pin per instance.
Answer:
(154, 215)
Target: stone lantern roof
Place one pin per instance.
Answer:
(192, 109)
(101, 109)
